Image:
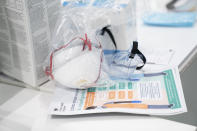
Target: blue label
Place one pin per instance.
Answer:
(96, 3)
(170, 19)
(65, 3)
(103, 3)
(79, 3)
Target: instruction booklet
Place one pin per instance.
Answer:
(157, 93)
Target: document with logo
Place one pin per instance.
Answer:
(157, 93)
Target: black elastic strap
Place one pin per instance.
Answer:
(170, 5)
(106, 29)
(135, 51)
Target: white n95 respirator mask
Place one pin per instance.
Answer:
(77, 64)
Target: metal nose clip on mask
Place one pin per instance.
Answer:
(76, 66)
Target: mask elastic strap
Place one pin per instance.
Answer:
(108, 31)
(49, 70)
(87, 42)
(135, 51)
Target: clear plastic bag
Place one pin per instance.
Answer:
(77, 58)
(76, 64)
(122, 64)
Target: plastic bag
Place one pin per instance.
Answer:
(76, 64)
(80, 62)
(91, 16)
(121, 65)
(122, 27)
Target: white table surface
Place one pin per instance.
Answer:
(27, 110)
(182, 40)
(23, 109)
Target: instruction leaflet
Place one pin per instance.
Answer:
(158, 93)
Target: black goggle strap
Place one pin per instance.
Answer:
(134, 52)
(171, 4)
(108, 31)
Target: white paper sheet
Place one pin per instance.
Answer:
(158, 93)
(158, 56)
